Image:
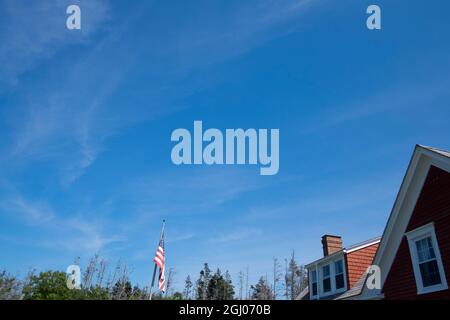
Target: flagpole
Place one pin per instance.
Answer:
(154, 269)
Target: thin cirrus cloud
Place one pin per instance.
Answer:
(74, 232)
(236, 235)
(70, 122)
(411, 96)
(32, 31)
(198, 191)
(61, 124)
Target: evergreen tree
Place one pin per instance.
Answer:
(295, 279)
(261, 291)
(187, 293)
(212, 287)
(122, 290)
(202, 283)
(220, 287)
(229, 288)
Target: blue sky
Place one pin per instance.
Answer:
(86, 118)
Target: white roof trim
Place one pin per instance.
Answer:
(422, 159)
(340, 252)
(323, 260)
(368, 244)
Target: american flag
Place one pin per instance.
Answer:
(159, 261)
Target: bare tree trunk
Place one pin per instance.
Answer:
(276, 277)
(170, 276)
(286, 280)
(241, 283)
(246, 285)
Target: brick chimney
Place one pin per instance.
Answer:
(331, 244)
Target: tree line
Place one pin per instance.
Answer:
(100, 283)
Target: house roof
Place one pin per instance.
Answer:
(352, 292)
(352, 248)
(355, 290)
(363, 244)
(304, 295)
(357, 287)
(422, 159)
(436, 150)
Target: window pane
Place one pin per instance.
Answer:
(338, 267)
(430, 248)
(339, 281)
(314, 276)
(425, 249)
(430, 273)
(326, 285)
(314, 289)
(326, 271)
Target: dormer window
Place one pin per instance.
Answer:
(327, 278)
(426, 260)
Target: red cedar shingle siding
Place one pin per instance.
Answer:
(358, 262)
(433, 205)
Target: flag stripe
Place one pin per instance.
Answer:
(159, 260)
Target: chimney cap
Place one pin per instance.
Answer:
(331, 236)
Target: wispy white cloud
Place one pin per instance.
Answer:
(70, 122)
(237, 30)
(398, 97)
(61, 124)
(181, 237)
(33, 212)
(195, 193)
(237, 235)
(32, 31)
(75, 233)
(324, 206)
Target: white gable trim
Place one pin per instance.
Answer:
(362, 246)
(403, 208)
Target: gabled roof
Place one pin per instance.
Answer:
(362, 245)
(410, 189)
(442, 152)
(357, 287)
(352, 248)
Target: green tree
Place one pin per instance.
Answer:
(228, 287)
(49, 285)
(220, 287)
(177, 296)
(202, 283)
(295, 278)
(10, 287)
(261, 291)
(52, 285)
(122, 290)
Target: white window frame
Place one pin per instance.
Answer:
(318, 268)
(316, 296)
(418, 234)
(322, 278)
(343, 275)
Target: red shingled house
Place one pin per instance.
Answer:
(340, 270)
(414, 252)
